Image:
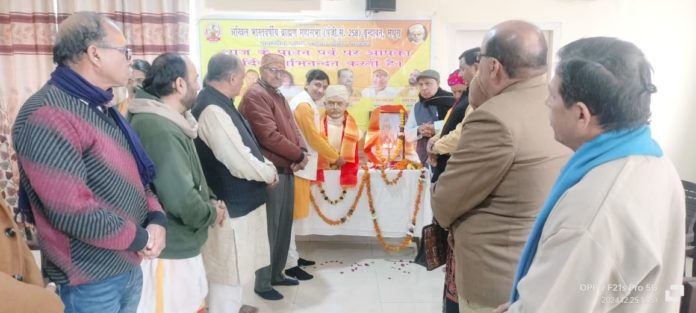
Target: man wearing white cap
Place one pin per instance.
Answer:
(343, 135)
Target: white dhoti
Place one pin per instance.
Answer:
(232, 254)
(173, 286)
(293, 254)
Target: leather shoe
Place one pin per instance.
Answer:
(297, 272)
(305, 262)
(286, 282)
(270, 295)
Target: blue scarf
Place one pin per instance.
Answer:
(75, 85)
(604, 148)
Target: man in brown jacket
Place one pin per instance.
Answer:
(503, 168)
(21, 285)
(273, 124)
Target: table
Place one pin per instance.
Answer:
(394, 205)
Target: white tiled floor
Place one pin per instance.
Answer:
(357, 276)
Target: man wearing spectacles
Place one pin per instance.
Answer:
(503, 167)
(273, 124)
(85, 176)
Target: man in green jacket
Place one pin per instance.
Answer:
(167, 130)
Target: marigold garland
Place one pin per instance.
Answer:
(402, 165)
(330, 201)
(386, 180)
(390, 158)
(373, 213)
(409, 235)
(350, 212)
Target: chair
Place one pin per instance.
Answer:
(690, 194)
(688, 301)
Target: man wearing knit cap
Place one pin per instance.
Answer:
(433, 104)
(272, 122)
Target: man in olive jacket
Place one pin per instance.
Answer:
(167, 130)
(503, 167)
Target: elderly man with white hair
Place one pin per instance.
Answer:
(342, 132)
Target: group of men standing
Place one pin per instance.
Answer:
(198, 188)
(190, 184)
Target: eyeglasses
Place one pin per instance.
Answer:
(480, 55)
(275, 71)
(125, 50)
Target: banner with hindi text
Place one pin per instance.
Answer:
(377, 60)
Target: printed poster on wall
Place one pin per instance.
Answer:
(378, 60)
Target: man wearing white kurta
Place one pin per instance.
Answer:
(239, 174)
(306, 114)
(610, 237)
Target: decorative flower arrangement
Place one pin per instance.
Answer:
(330, 201)
(411, 228)
(390, 158)
(365, 182)
(406, 164)
(402, 165)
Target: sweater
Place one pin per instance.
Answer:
(272, 122)
(83, 187)
(180, 185)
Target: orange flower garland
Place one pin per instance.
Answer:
(401, 166)
(392, 157)
(365, 181)
(407, 164)
(409, 236)
(330, 201)
(350, 212)
(386, 180)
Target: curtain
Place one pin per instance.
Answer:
(27, 31)
(151, 27)
(27, 28)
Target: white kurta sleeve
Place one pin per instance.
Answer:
(411, 127)
(448, 143)
(571, 272)
(218, 131)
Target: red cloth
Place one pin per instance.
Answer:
(349, 152)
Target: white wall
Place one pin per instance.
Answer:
(665, 30)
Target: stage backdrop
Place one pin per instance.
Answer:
(382, 58)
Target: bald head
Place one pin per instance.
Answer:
(519, 46)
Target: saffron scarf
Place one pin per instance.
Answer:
(604, 148)
(349, 152)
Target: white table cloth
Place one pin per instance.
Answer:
(394, 205)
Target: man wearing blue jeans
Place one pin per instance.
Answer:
(84, 174)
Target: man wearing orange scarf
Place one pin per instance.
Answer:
(343, 135)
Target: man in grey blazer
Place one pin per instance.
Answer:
(503, 168)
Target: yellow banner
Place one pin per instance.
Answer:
(378, 60)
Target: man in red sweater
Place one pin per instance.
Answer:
(85, 174)
(273, 124)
